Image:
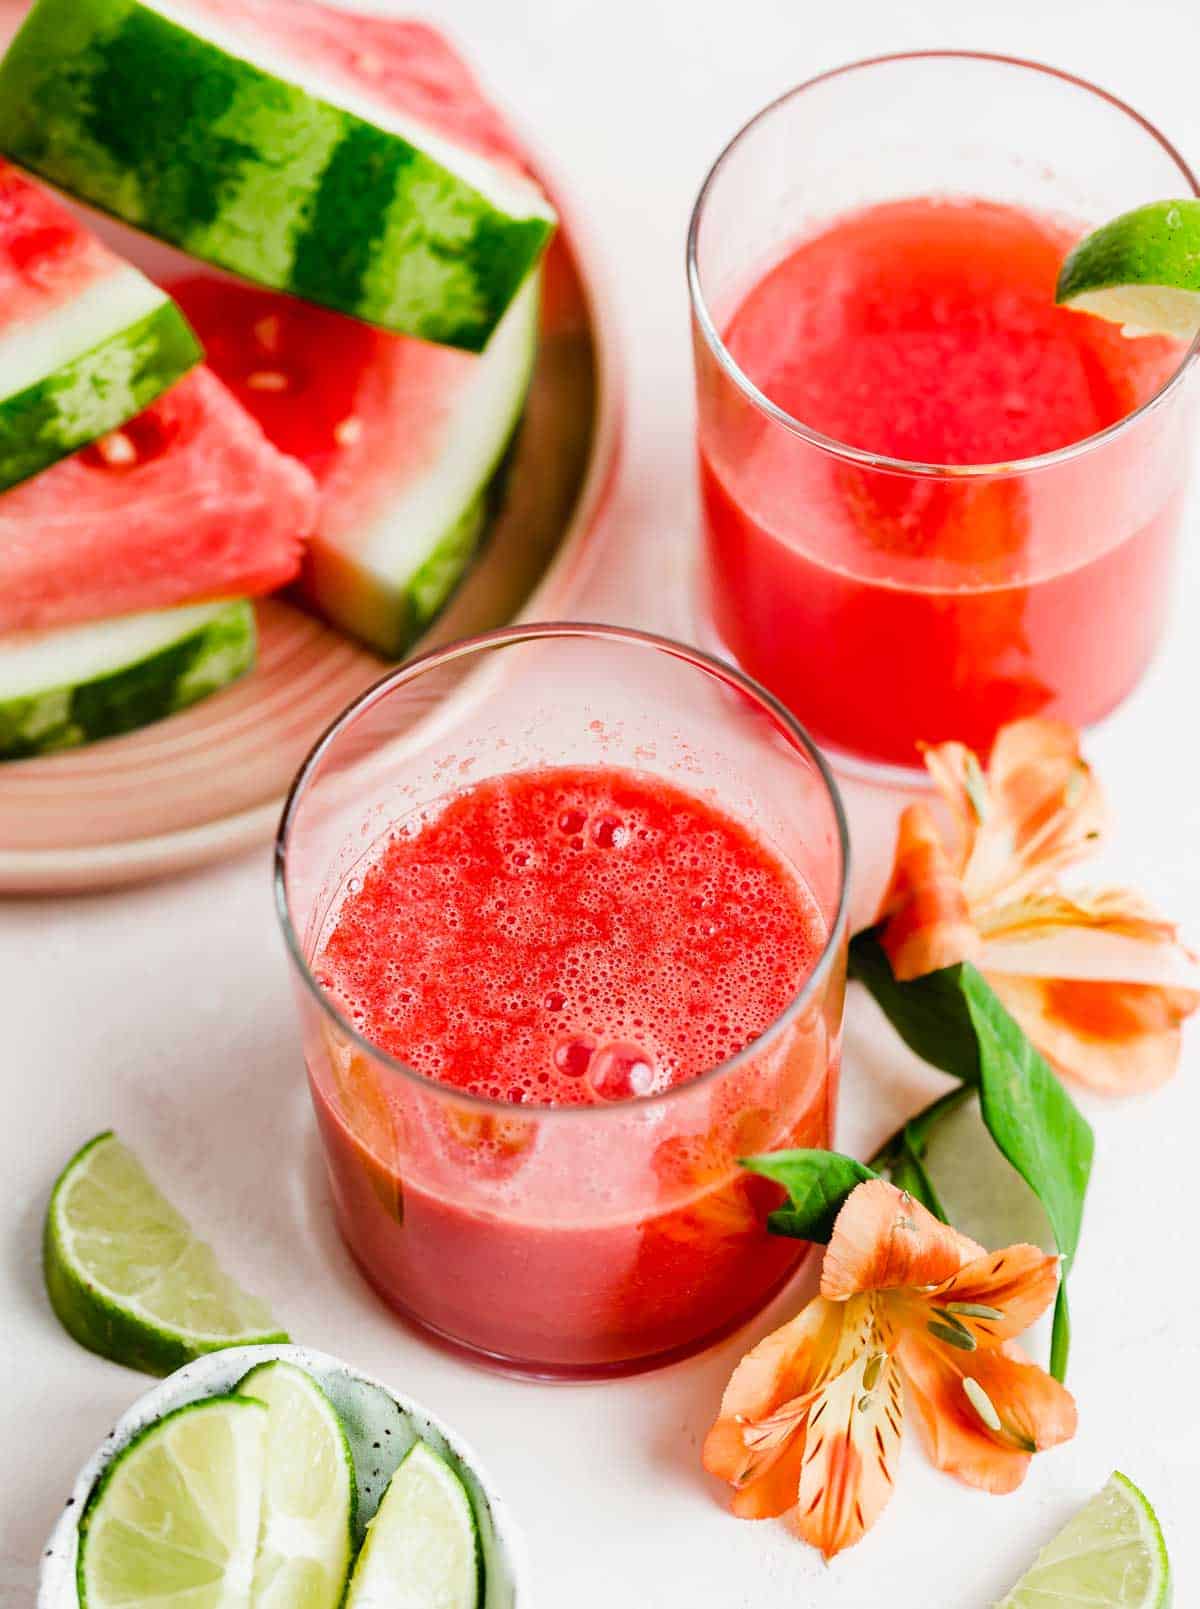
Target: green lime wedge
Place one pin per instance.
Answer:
(173, 1520)
(422, 1548)
(305, 1539)
(1111, 1555)
(1141, 270)
(126, 1275)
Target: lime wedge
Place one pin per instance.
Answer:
(304, 1544)
(1111, 1555)
(173, 1520)
(1141, 270)
(126, 1275)
(422, 1548)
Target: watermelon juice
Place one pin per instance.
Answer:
(889, 607)
(557, 1005)
(933, 500)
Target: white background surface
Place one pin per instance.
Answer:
(166, 1012)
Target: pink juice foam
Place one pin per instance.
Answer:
(566, 937)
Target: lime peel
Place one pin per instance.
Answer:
(1141, 270)
(1112, 1552)
(306, 1533)
(174, 1518)
(423, 1536)
(127, 1277)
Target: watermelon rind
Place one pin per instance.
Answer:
(152, 111)
(60, 689)
(87, 369)
(385, 584)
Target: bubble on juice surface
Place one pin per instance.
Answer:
(574, 1056)
(622, 1071)
(610, 832)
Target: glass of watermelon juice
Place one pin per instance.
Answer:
(567, 911)
(934, 502)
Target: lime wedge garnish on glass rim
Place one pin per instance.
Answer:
(422, 1548)
(1142, 270)
(174, 1518)
(306, 1533)
(126, 1275)
(1112, 1553)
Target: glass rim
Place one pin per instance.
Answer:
(546, 631)
(860, 455)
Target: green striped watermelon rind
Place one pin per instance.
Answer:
(95, 393)
(388, 615)
(216, 647)
(360, 589)
(135, 113)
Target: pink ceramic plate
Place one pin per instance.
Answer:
(210, 782)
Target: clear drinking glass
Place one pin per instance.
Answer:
(564, 1240)
(887, 601)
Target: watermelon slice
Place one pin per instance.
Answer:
(307, 150)
(86, 342)
(187, 502)
(59, 689)
(404, 440)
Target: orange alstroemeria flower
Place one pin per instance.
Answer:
(811, 1419)
(1098, 981)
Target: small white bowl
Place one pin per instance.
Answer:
(380, 1426)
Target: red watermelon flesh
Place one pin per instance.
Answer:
(405, 65)
(47, 256)
(188, 502)
(361, 409)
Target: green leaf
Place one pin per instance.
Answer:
(1029, 1114)
(980, 1191)
(817, 1183)
(954, 1019)
(927, 1013)
(902, 1158)
(1060, 1335)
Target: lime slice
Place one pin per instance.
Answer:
(1141, 270)
(173, 1521)
(422, 1547)
(126, 1275)
(304, 1544)
(1111, 1555)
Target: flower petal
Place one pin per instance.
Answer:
(776, 1489)
(1048, 810)
(1101, 935)
(927, 925)
(1017, 1284)
(1115, 1037)
(882, 1239)
(959, 778)
(789, 1362)
(1038, 809)
(780, 1373)
(853, 1445)
(959, 1422)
